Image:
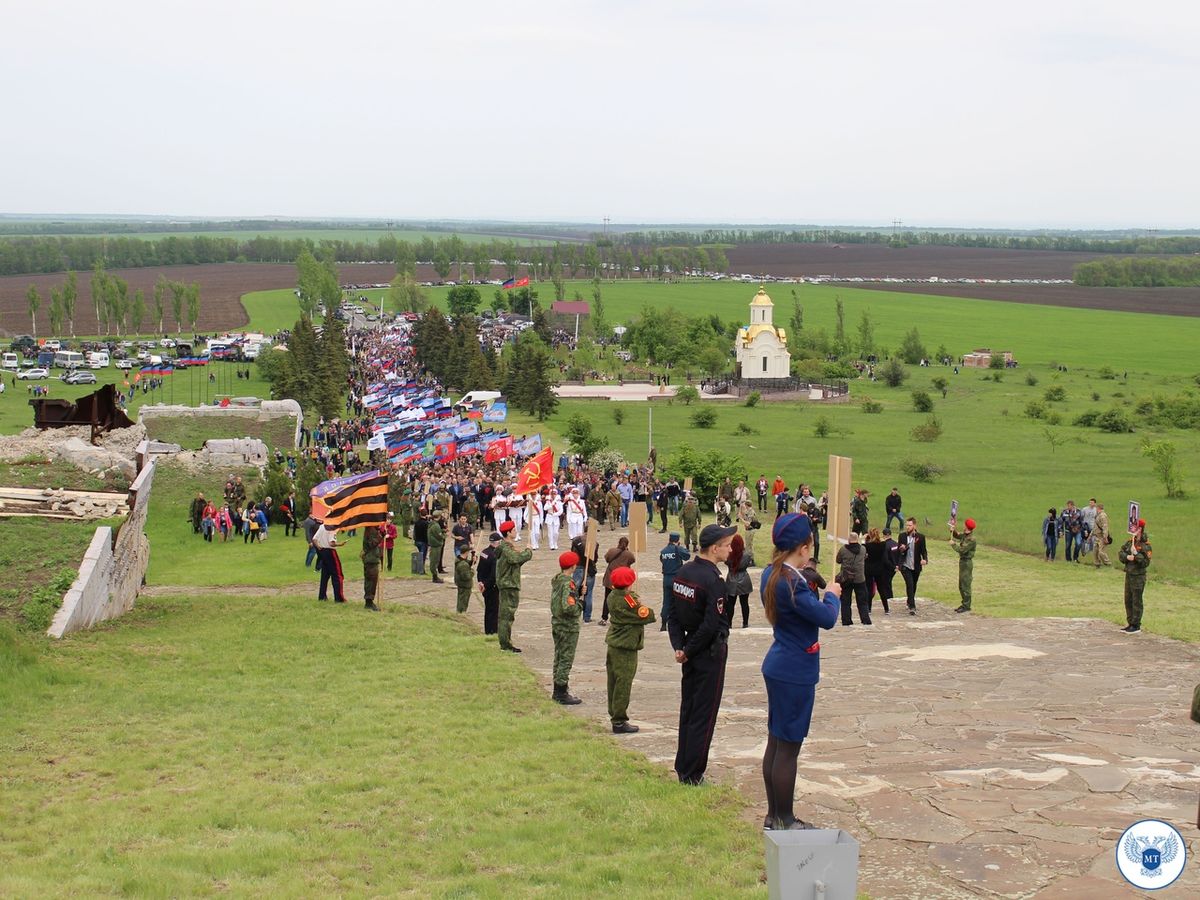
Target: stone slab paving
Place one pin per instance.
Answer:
(970, 756)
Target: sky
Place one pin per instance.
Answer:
(1055, 113)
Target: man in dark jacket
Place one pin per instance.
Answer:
(485, 575)
(891, 503)
(913, 557)
(699, 634)
(672, 557)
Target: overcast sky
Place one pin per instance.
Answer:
(1046, 113)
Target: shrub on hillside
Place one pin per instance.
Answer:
(753, 398)
(38, 611)
(744, 429)
(870, 406)
(607, 460)
(922, 470)
(618, 414)
(705, 417)
(1055, 394)
(892, 372)
(928, 431)
(1035, 409)
(1031, 379)
(922, 402)
(1115, 421)
(822, 427)
(1087, 419)
(687, 394)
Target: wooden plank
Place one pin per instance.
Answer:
(16, 493)
(5, 514)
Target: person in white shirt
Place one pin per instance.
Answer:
(553, 510)
(516, 510)
(576, 515)
(499, 506)
(536, 515)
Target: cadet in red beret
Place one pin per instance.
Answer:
(626, 635)
(964, 545)
(564, 626)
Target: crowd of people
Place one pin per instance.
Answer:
(493, 531)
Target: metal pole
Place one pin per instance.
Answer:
(650, 430)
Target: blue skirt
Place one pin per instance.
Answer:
(789, 709)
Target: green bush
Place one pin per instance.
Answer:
(892, 372)
(1055, 394)
(837, 371)
(618, 414)
(1087, 419)
(1055, 418)
(870, 406)
(753, 398)
(705, 417)
(1095, 396)
(928, 431)
(1031, 379)
(1035, 409)
(922, 402)
(706, 468)
(687, 394)
(997, 376)
(744, 429)
(1114, 421)
(581, 437)
(822, 427)
(1144, 406)
(1107, 373)
(997, 361)
(924, 471)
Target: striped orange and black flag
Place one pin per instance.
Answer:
(353, 502)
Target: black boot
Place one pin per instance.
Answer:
(371, 606)
(563, 696)
(437, 580)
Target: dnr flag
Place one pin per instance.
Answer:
(515, 283)
(354, 502)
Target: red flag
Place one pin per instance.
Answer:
(446, 451)
(498, 450)
(537, 473)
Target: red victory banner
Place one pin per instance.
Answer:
(498, 450)
(537, 473)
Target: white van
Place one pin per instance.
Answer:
(68, 359)
(52, 344)
(12, 361)
(98, 359)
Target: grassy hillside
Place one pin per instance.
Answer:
(273, 746)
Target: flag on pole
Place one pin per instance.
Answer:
(515, 283)
(537, 473)
(498, 450)
(353, 502)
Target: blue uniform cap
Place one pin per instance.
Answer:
(791, 531)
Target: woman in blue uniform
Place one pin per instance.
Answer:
(792, 666)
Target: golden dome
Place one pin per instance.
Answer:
(761, 299)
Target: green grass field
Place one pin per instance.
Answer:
(273, 746)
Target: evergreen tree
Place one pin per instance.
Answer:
(479, 374)
(432, 342)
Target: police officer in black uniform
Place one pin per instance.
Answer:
(699, 633)
(485, 576)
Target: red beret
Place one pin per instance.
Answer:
(1141, 523)
(623, 577)
(568, 560)
(970, 523)
(506, 527)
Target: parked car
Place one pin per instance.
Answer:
(125, 363)
(79, 376)
(34, 374)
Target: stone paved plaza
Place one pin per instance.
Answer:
(970, 756)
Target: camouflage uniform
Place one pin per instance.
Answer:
(689, 519)
(626, 635)
(372, 557)
(964, 545)
(508, 580)
(564, 626)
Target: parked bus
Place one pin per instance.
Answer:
(68, 359)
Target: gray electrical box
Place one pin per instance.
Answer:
(819, 864)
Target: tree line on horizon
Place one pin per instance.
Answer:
(624, 254)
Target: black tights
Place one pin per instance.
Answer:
(731, 603)
(779, 777)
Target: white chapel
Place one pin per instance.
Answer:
(761, 347)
